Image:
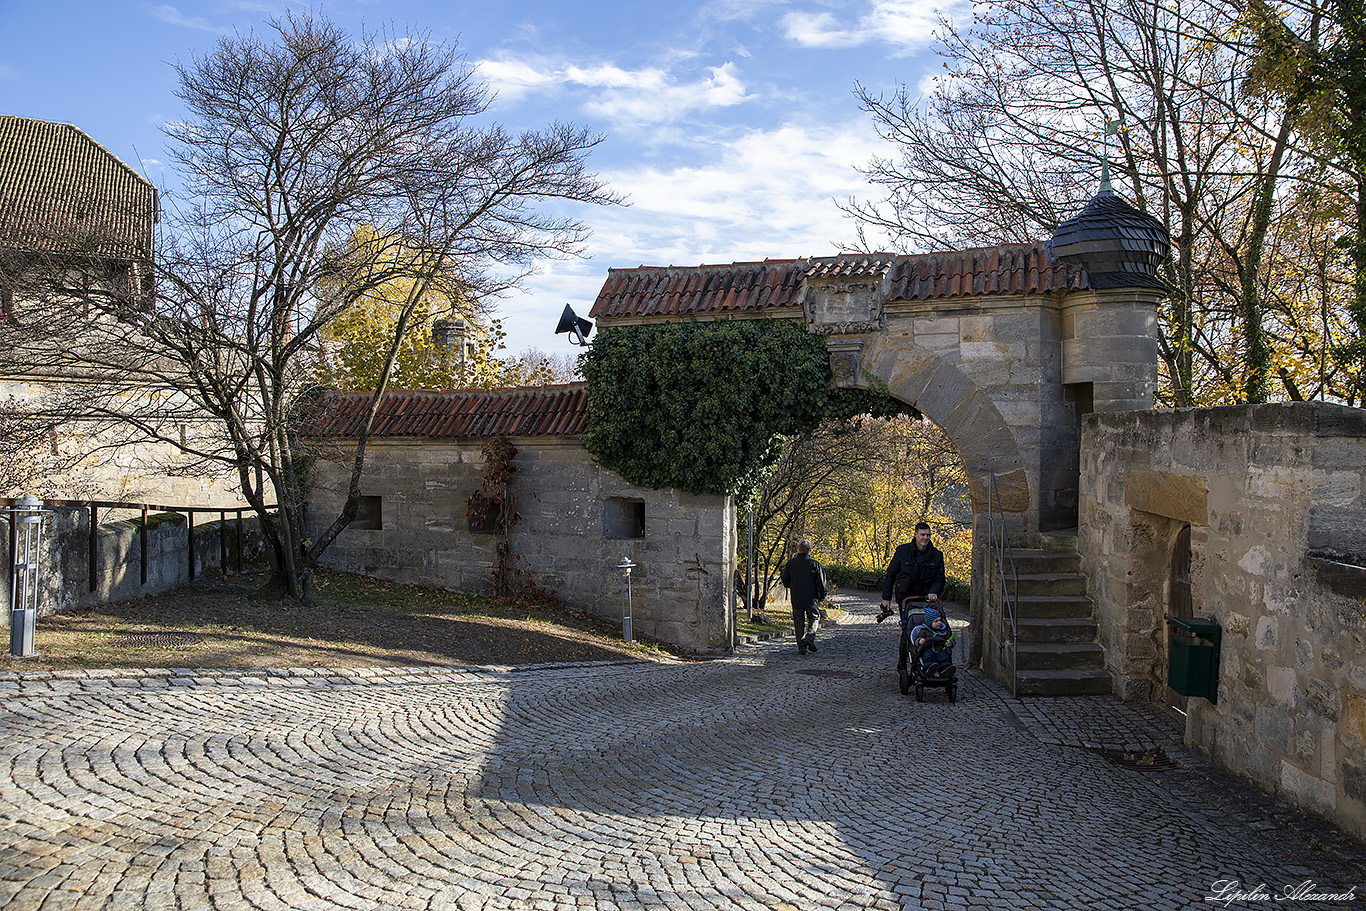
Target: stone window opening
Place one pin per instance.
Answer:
(486, 523)
(369, 514)
(623, 517)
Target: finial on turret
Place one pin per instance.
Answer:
(1111, 129)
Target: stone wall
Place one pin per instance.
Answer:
(1275, 497)
(65, 561)
(85, 461)
(577, 522)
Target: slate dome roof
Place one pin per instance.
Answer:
(1117, 245)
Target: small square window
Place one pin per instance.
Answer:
(623, 517)
(485, 523)
(369, 514)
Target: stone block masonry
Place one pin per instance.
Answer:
(577, 521)
(65, 573)
(1275, 500)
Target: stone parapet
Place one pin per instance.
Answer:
(1274, 497)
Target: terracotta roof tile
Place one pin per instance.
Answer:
(524, 411)
(680, 291)
(775, 285)
(59, 188)
(1008, 270)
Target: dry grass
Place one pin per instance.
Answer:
(354, 622)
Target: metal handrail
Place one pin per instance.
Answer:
(1001, 554)
(94, 506)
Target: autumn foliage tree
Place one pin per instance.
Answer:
(856, 489)
(354, 346)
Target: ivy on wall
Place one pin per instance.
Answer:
(697, 406)
(493, 507)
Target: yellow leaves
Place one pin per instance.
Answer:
(390, 283)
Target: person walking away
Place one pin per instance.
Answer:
(804, 579)
(916, 570)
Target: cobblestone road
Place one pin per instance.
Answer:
(763, 781)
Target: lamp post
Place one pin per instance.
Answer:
(27, 529)
(625, 565)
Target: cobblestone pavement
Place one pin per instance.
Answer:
(763, 781)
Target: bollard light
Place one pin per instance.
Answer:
(625, 565)
(27, 516)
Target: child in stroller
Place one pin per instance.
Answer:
(929, 645)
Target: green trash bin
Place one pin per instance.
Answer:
(1193, 657)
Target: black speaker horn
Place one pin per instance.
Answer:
(577, 327)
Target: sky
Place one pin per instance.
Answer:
(730, 126)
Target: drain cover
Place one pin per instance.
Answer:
(158, 640)
(825, 672)
(1143, 760)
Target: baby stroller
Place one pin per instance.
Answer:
(930, 663)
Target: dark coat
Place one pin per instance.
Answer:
(914, 572)
(805, 579)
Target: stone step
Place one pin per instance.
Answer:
(1050, 584)
(1057, 542)
(1061, 656)
(1043, 630)
(1062, 683)
(1049, 607)
(1031, 562)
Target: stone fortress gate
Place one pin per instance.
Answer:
(1005, 348)
(1040, 362)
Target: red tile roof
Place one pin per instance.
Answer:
(1013, 269)
(524, 411)
(59, 188)
(680, 291)
(773, 287)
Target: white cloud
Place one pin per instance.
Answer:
(907, 25)
(766, 194)
(513, 79)
(732, 10)
(645, 95)
(650, 96)
(172, 16)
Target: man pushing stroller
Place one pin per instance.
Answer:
(915, 573)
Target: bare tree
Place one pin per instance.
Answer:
(1008, 145)
(295, 139)
(20, 442)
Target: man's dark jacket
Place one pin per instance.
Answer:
(803, 577)
(914, 572)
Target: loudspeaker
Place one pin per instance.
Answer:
(577, 327)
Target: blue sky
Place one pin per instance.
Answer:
(730, 125)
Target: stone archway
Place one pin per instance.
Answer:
(952, 400)
(985, 443)
(1004, 348)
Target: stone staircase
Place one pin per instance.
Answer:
(1058, 652)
